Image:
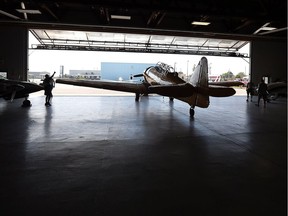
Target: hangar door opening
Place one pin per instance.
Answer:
(117, 56)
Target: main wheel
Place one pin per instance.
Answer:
(192, 112)
(26, 103)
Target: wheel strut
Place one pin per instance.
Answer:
(192, 112)
(137, 97)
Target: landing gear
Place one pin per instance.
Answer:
(26, 103)
(137, 97)
(192, 112)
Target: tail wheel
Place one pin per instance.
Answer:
(192, 112)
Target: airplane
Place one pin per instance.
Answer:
(276, 89)
(163, 80)
(13, 89)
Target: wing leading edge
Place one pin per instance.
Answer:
(138, 88)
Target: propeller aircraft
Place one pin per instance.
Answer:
(163, 80)
(13, 89)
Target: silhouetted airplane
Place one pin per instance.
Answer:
(161, 79)
(13, 89)
(276, 89)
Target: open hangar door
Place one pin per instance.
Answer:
(179, 51)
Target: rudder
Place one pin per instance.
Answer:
(199, 80)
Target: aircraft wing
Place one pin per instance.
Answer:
(133, 87)
(276, 85)
(187, 90)
(226, 83)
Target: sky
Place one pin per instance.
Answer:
(51, 60)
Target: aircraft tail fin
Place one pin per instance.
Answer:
(199, 77)
(199, 80)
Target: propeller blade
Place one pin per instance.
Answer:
(138, 75)
(16, 88)
(13, 95)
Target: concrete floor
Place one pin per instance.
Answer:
(114, 156)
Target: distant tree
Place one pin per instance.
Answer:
(227, 76)
(240, 75)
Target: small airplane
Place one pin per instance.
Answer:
(276, 89)
(163, 80)
(13, 89)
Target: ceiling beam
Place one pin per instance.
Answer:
(130, 30)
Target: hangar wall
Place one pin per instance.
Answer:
(14, 52)
(268, 59)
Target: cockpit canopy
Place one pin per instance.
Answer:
(164, 68)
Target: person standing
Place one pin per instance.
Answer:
(249, 90)
(262, 92)
(48, 84)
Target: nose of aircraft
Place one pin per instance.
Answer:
(35, 87)
(204, 60)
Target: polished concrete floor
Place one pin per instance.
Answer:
(114, 156)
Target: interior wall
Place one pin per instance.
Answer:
(268, 59)
(14, 52)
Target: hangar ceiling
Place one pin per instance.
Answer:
(240, 21)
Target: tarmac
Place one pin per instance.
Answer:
(95, 154)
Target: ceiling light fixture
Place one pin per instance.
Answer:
(28, 11)
(121, 17)
(23, 8)
(200, 23)
(267, 28)
(9, 15)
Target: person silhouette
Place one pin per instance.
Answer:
(48, 84)
(249, 90)
(262, 92)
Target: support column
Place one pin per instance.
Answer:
(268, 59)
(14, 52)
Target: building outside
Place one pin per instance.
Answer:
(86, 74)
(36, 76)
(122, 71)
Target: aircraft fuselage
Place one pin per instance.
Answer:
(21, 89)
(157, 75)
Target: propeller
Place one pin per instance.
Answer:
(16, 88)
(138, 75)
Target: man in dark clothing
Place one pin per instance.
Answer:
(48, 84)
(262, 92)
(249, 90)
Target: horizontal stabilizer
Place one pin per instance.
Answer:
(180, 90)
(217, 91)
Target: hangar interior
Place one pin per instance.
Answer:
(113, 156)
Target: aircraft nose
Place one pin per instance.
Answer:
(36, 87)
(203, 59)
(39, 87)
